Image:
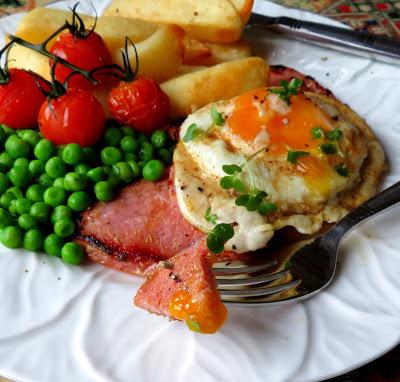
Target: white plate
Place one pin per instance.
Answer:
(62, 323)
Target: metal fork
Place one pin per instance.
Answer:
(302, 269)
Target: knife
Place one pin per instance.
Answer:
(360, 43)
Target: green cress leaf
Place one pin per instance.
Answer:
(231, 169)
(238, 185)
(211, 218)
(226, 182)
(242, 200)
(217, 117)
(317, 132)
(294, 85)
(224, 231)
(191, 133)
(334, 135)
(193, 325)
(214, 243)
(218, 236)
(287, 89)
(293, 156)
(266, 208)
(328, 148)
(342, 170)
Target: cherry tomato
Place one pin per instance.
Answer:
(75, 117)
(21, 99)
(85, 52)
(140, 104)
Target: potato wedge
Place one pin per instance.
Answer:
(25, 58)
(160, 55)
(42, 22)
(206, 20)
(194, 90)
(244, 8)
(207, 53)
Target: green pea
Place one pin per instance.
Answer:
(60, 212)
(40, 211)
(159, 139)
(20, 176)
(35, 193)
(129, 144)
(21, 162)
(113, 180)
(96, 174)
(3, 136)
(165, 156)
(111, 155)
(59, 182)
(72, 253)
(112, 136)
(64, 227)
(107, 170)
(142, 138)
(6, 162)
(82, 168)
(90, 155)
(53, 245)
(37, 167)
(128, 131)
(11, 237)
(60, 150)
(123, 171)
(136, 170)
(4, 182)
(31, 137)
(54, 196)
(27, 222)
(7, 130)
(130, 156)
(141, 163)
(33, 240)
(46, 180)
(16, 191)
(55, 167)
(75, 182)
(6, 199)
(153, 170)
(23, 205)
(79, 201)
(72, 154)
(5, 218)
(13, 209)
(16, 147)
(44, 149)
(103, 191)
(146, 152)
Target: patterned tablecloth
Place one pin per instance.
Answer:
(377, 16)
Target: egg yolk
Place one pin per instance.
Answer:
(289, 129)
(198, 317)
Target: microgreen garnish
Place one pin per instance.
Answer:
(342, 170)
(193, 325)
(218, 236)
(293, 156)
(191, 133)
(232, 181)
(334, 134)
(328, 148)
(287, 89)
(317, 132)
(217, 117)
(231, 169)
(267, 208)
(251, 200)
(211, 218)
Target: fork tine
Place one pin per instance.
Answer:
(240, 293)
(232, 282)
(225, 270)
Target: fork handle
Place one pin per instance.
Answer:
(380, 202)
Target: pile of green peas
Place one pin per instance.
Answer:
(43, 187)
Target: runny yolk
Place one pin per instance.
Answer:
(254, 113)
(198, 315)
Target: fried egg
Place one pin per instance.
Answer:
(306, 155)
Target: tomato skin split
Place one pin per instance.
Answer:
(75, 117)
(21, 99)
(140, 104)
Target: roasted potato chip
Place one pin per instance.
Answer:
(206, 20)
(194, 90)
(40, 23)
(160, 55)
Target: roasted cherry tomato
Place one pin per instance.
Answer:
(21, 99)
(75, 117)
(88, 52)
(140, 104)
